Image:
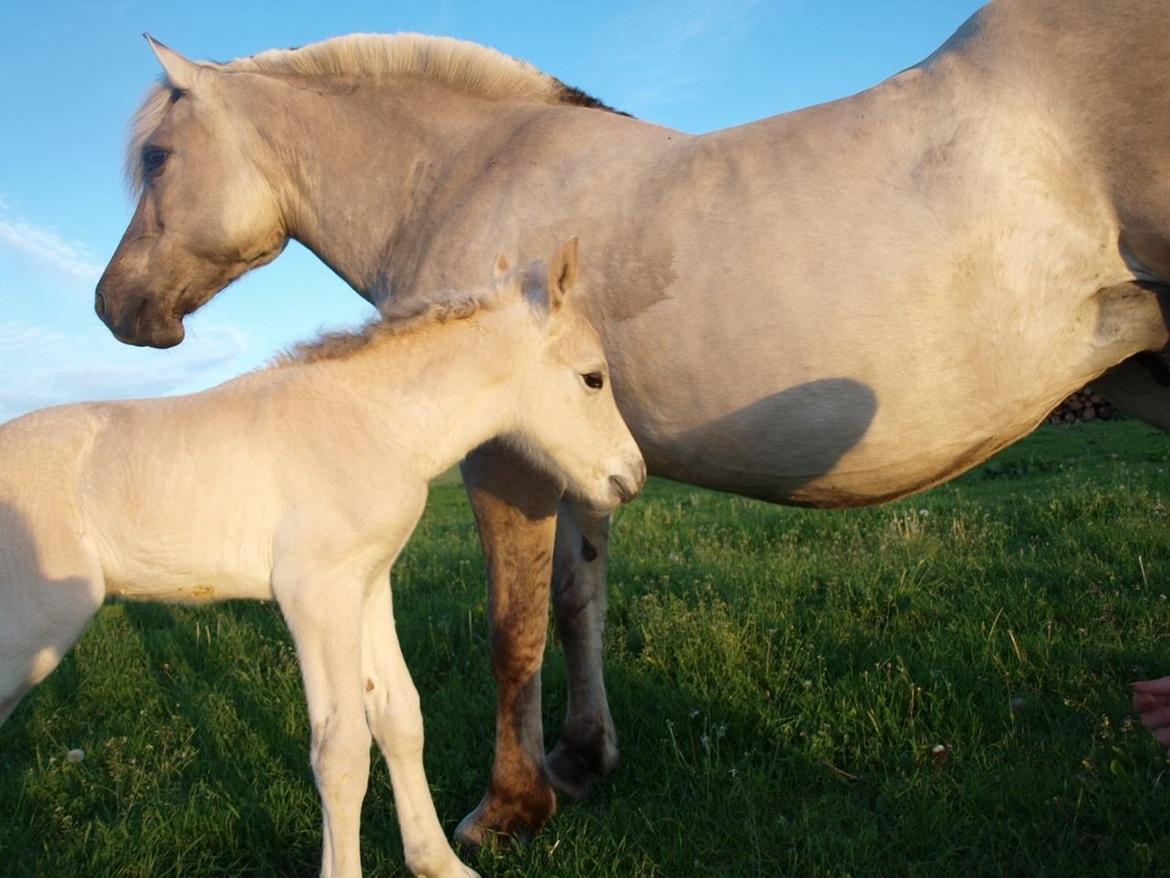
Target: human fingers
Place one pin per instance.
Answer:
(1156, 719)
(1143, 702)
(1160, 686)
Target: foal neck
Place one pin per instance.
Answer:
(430, 395)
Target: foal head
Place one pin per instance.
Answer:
(566, 417)
(206, 212)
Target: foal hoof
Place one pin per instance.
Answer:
(572, 769)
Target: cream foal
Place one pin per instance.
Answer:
(302, 483)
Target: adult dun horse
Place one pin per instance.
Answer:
(832, 307)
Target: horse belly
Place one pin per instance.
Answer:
(824, 443)
(814, 419)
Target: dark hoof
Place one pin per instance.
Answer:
(573, 769)
(495, 822)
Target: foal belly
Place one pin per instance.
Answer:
(192, 556)
(177, 585)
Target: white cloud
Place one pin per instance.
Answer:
(44, 367)
(45, 246)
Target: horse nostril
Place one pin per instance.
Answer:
(99, 305)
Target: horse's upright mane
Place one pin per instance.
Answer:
(406, 318)
(469, 66)
(463, 65)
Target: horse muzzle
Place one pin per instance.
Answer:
(133, 320)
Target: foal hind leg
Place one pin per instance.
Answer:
(47, 599)
(515, 508)
(588, 745)
(392, 710)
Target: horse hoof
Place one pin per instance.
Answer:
(568, 773)
(471, 834)
(494, 821)
(572, 769)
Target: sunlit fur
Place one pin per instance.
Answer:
(465, 66)
(831, 307)
(301, 483)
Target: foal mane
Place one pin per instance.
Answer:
(467, 66)
(400, 319)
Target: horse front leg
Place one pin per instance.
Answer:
(515, 508)
(588, 746)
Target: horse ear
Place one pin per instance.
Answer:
(501, 266)
(181, 72)
(562, 273)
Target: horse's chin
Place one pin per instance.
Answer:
(161, 333)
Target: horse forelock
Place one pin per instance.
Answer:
(143, 124)
(463, 65)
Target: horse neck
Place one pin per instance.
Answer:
(355, 167)
(431, 395)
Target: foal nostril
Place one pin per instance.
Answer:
(622, 489)
(99, 305)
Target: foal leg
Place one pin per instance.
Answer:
(392, 710)
(588, 746)
(325, 620)
(48, 595)
(515, 507)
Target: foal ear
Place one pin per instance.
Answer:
(181, 73)
(562, 273)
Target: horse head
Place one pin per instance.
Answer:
(206, 211)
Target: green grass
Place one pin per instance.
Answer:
(780, 679)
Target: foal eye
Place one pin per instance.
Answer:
(153, 159)
(593, 380)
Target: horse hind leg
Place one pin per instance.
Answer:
(588, 746)
(48, 595)
(1140, 387)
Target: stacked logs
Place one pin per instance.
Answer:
(1084, 405)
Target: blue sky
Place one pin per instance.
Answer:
(73, 73)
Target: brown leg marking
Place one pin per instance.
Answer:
(587, 749)
(515, 508)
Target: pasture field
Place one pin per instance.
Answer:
(933, 687)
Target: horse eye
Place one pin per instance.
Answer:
(153, 159)
(594, 380)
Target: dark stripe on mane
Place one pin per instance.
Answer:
(570, 94)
